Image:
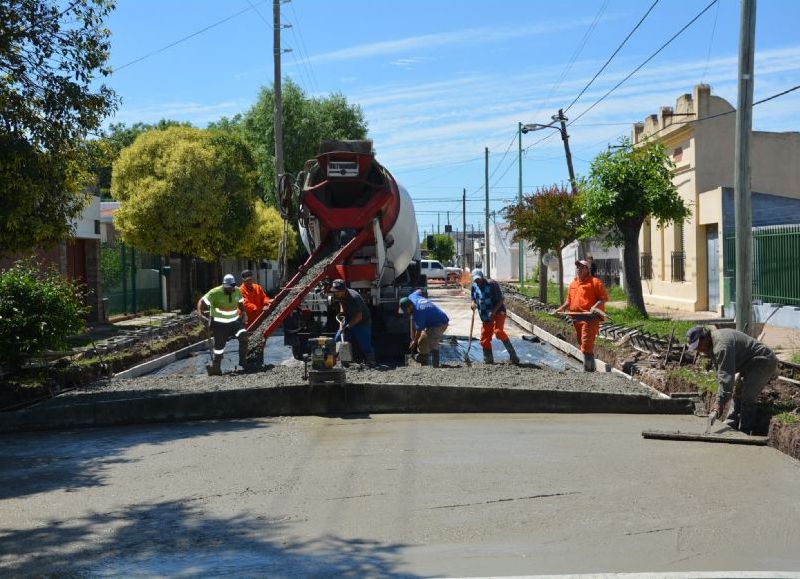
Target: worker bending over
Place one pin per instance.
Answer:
(223, 308)
(487, 298)
(734, 352)
(586, 294)
(430, 324)
(255, 299)
(358, 322)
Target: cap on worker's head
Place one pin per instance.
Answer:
(477, 274)
(404, 303)
(247, 274)
(338, 285)
(229, 280)
(581, 263)
(693, 337)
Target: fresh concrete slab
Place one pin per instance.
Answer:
(403, 495)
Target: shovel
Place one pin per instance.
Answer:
(469, 344)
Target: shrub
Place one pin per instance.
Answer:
(38, 310)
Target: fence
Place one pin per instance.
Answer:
(131, 280)
(776, 277)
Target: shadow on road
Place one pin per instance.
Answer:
(177, 539)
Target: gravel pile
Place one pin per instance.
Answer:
(505, 376)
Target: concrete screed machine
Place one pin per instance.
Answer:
(358, 224)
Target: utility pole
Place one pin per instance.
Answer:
(565, 137)
(276, 55)
(486, 266)
(742, 193)
(521, 246)
(464, 226)
(438, 225)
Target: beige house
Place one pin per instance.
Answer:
(683, 264)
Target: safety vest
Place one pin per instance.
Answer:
(224, 307)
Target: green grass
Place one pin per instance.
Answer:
(795, 358)
(629, 316)
(705, 382)
(788, 418)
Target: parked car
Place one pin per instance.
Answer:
(434, 269)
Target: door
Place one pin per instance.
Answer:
(712, 267)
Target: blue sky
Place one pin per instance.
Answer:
(440, 80)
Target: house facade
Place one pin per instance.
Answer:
(683, 264)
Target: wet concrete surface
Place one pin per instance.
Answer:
(401, 495)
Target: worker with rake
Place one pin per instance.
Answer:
(487, 299)
(586, 299)
(223, 310)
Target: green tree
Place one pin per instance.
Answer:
(262, 237)
(624, 188)
(39, 309)
(185, 191)
(50, 59)
(444, 248)
(306, 122)
(549, 219)
(104, 150)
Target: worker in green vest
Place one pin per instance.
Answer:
(223, 308)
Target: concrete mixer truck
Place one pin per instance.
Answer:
(358, 224)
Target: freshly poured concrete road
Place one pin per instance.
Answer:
(410, 495)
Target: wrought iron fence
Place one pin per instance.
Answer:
(646, 265)
(776, 277)
(678, 266)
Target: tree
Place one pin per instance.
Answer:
(443, 247)
(624, 188)
(262, 237)
(185, 191)
(549, 219)
(306, 122)
(39, 309)
(50, 59)
(104, 150)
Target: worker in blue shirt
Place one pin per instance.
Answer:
(430, 324)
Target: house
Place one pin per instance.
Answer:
(683, 266)
(77, 257)
(504, 254)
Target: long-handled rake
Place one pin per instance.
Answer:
(469, 343)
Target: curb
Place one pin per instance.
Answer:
(568, 348)
(158, 363)
(332, 399)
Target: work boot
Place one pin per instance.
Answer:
(242, 339)
(735, 414)
(588, 363)
(215, 368)
(749, 418)
(435, 358)
(512, 353)
(488, 356)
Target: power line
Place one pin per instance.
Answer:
(610, 58)
(711, 43)
(303, 49)
(192, 35)
(649, 58)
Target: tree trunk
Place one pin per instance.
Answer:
(542, 278)
(633, 280)
(186, 284)
(560, 277)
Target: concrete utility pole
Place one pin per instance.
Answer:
(521, 246)
(742, 193)
(278, 128)
(565, 137)
(438, 224)
(464, 226)
(486, 266)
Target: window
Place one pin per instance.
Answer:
(436, 265)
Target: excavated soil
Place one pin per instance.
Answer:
(499, 376)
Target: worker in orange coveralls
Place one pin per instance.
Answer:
(255, 300)
(586, 294)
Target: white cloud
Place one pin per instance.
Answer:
(406, 63)
(198, 114)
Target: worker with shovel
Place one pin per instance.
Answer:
(223, 308)
(734, 352)
(358, 322)
(586, 299)
(430, 323)
(487, 299)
